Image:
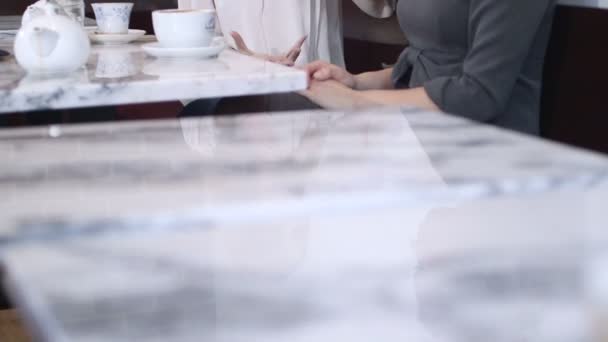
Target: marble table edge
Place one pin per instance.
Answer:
(57, 92)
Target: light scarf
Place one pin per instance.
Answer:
(273, 26)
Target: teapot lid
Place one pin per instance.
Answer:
(50, 7)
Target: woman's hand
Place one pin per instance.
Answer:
(288, 59)
(322, 71)
(331, 94)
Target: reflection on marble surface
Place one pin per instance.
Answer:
(389, 225)
(124, 74)
(183, 68)
(114, 62)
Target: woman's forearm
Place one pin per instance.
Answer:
(416, 97)
(374, 80)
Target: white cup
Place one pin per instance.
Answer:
(113, 18)
(195, 4)
(184, 28)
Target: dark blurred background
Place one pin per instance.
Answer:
(141, 11)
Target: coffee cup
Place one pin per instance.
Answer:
(184, 28)
(113, 17)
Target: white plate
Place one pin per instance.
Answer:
(157, 50)
(114, 39)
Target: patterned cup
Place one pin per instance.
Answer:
(113, 18)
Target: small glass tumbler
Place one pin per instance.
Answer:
(74, 8)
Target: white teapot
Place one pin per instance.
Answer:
(49, 41)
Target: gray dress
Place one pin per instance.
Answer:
(480, 59)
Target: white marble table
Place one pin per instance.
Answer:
(385, 225)
(126, 75)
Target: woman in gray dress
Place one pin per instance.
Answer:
(481, 59)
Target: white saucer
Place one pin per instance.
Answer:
(157, 50)
(115, 39)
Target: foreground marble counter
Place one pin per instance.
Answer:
(389, 224)
(125, 75)
(367, 276)
(205, 169)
